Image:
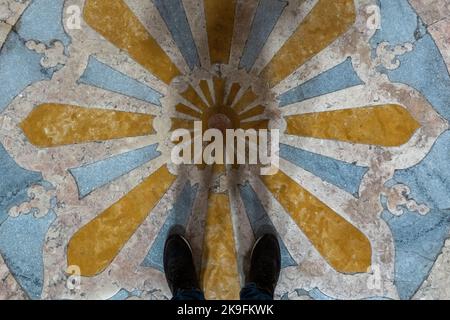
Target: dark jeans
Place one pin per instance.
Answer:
(249, 292)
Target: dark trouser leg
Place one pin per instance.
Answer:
(252, 292)
(188, 295)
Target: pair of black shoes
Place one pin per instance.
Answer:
(264, 269)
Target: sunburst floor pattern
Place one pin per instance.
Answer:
(233, 83)
(225, 112)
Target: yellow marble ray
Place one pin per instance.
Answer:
(345, 248)
(328, 20)
(115, 21)
(206, 92)
(219, 90)
(51, 125)
(220, 277)
(188, 111)
(181, 124)
(219, 27)
(247, 98)
(384, 125)
(95, 245)
(192, 96)
(235, 87)
(253, 112)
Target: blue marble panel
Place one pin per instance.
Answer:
(340, 77)
(21, 245)
(430, 179)
(20, 66)
(266, 17)
(423, 68)
(174, 15)
(258, 217)
(21, 238)
(43, 21)
(95, 175)
(418, 242)
(344, 175)
(100, 75)
(399, 23)
(14, 182)
(178, 215)
(419, 239)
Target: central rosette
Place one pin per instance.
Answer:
(225, 106)
(228, 104)
(221, 121)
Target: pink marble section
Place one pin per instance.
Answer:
(9, 288)
(431, 11)
(441, 34)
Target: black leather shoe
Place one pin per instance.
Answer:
(265, 265)
(178, 262)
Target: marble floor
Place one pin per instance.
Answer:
(90, 91)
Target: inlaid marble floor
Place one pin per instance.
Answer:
(90, 91)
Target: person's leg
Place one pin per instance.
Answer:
(265, 266)
(252, 292)
(185, 295)
(179, 267)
